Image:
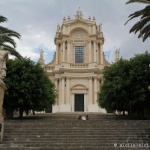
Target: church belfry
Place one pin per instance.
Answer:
(77, 64)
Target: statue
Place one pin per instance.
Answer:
(58, 28)
(41, 59)
(100, 27)
(41, 53)
(3, 59)
(117, 55)
(79, 14)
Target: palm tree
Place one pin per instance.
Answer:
(142, 26)
(6, 39)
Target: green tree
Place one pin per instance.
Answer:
(6, 39)
(28, 87)
(125, 86)
(140, 80)
(143, 25)
(114, 92)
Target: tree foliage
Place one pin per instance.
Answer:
(6, 39)
(125, 86)
(28, 87)
(143, 25)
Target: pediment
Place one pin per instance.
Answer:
(79, 87)
(79, 32)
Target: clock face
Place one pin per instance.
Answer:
(79, 35)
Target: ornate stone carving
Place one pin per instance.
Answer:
(58, 28)
(79, 14)
(41, 59)
(3, 59)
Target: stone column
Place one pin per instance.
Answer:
(56, 87)
(68, 52)
(72, 102)
(90, 55)
(2, 90)
(68, 90)
(85, 102)
(95, 90)
(94, 30)
(90, 91)
(68, 29)
(101, 51)
(57, 53)
(3, 59)
(95, 51)
(59, 96)
(89, 26)
(63, 55)
(98, 83)
(62, 90)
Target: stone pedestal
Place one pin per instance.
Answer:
(2, 90)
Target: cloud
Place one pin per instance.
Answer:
(37, 21)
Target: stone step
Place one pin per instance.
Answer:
(74, 145)
(75, 140)
(64, 131)
(135, 135)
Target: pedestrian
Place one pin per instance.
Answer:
(87, 117)
(79, 117)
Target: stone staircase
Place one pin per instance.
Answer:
(63, 131)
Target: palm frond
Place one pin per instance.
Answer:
(139, 25)
(3, 19)
(9, 32)
(7, 39)
(138, 1)
(143, 13)
(12, 51)
(143, 24)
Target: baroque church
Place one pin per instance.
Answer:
(76, 68)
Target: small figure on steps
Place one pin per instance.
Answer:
(87, 117)
(83, 118)
(79, 117)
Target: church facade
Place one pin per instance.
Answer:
(76, 68)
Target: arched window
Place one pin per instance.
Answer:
(79, 54)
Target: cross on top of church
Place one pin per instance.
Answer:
(79, 14)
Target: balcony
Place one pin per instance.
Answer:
(78, 65)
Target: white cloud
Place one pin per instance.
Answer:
(36, 21)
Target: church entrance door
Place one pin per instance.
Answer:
(79, 102)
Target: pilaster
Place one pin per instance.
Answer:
(62, 93)
(56, 86)
(68, 90)
(63, 60)
(90, 91)
(101, 50)
(57, 53)
(95, 51)
(90, 55)
(68, 52)
(95, 90)
(60, 90)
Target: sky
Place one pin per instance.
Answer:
(36, 21)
